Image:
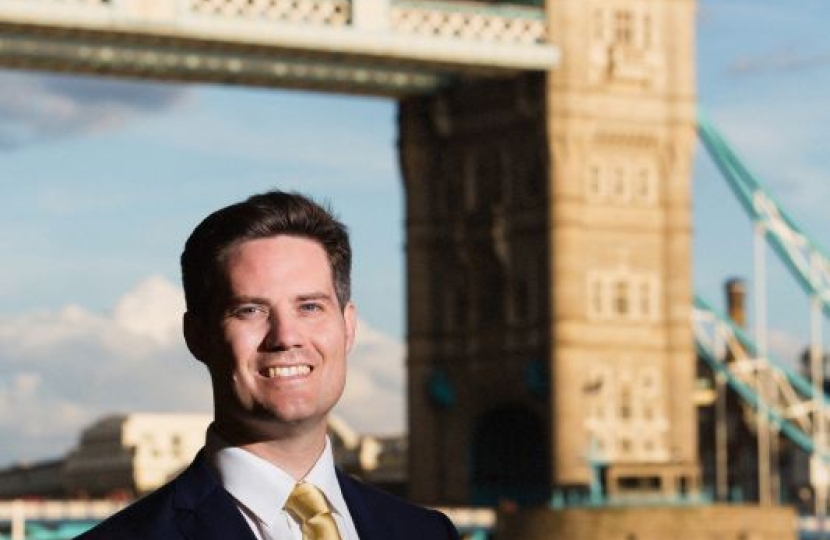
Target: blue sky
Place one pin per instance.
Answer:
(103, 180)
(763, 77)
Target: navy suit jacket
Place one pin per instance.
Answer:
(195, 506)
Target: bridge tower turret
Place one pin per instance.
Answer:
(548, 236)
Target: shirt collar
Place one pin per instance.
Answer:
(324, 476)
(262, 487)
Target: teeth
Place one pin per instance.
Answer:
(287, 371)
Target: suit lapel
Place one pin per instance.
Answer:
(370, 525)
(204, 510)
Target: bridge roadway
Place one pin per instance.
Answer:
(375, 47)
(477, 522)
(19, 512)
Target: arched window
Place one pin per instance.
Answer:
(624, 27)
(509, 457)
(621, 304)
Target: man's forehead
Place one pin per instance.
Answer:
(281, 246)
(280, 239)
(303, 260)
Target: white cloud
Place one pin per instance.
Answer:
(153, 310)
(36, 107)
(374, 400)
(64, 369)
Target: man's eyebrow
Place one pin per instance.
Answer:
(236, 300)
(313, 296)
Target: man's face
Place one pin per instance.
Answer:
(276, 348)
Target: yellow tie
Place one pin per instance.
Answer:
(308, 505)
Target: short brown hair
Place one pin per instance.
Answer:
(260, 216)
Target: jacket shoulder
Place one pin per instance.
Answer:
(403, 519)
(159, 515)
(151, 516)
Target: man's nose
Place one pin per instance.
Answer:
(283, 333)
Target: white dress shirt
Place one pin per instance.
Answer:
(261, 490)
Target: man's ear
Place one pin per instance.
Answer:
(350, 316)
(196, 336)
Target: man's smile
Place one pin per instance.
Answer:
(280, 372)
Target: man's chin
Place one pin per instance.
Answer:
(263, 425)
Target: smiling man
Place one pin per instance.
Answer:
(267, 287)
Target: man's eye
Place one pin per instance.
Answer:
(247, 312)
(311, 307)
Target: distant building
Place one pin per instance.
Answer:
(728, 434)
(43, 479)
(132, 454)
(124, 456)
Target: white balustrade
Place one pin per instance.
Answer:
(382, 47)
(461, 20)
(57, 510)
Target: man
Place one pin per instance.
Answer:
(267, 288)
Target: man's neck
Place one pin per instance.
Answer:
(295, 451)
(296, 457)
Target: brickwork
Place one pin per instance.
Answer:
(653, 523)
(476, 175)
(549, 263)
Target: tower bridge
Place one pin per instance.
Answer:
(546, 156)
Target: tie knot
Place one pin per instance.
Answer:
(306, 501)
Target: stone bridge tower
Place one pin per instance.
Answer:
(548, 231)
